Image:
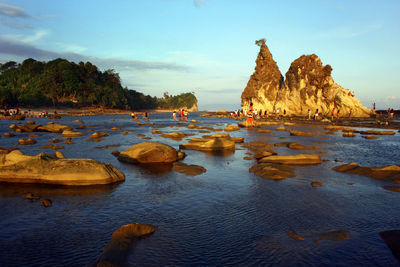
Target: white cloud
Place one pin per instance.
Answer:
(199, 3)
(36, 36)
(72, 48)
(13, 11)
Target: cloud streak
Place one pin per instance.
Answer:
(13, 11)
(20, 49)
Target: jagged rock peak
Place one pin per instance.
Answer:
(308, 86)
(266, 79)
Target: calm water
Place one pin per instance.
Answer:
(226, 216)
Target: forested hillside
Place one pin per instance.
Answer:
(63, 83)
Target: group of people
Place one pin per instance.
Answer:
(145, 116)
(182, 115)
(6, 112)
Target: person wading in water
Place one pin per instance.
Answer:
(250, 116)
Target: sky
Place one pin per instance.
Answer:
(207, 46)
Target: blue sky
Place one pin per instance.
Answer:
(207, 46)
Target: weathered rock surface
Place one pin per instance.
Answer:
(300, 133)
(272, 171)
(71, 133)
(175, 135)
(151, 152)
(53, 128)
(210, 144)
(308, 85)
(388, 173)
(15, 167)
(188, 169)
(122, 241)
(299, 159)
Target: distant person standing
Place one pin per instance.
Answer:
(350, 113)
(309, 114)
(250, 116)
(332, 113)
(338, 114)
(174, 115)
(133, 115)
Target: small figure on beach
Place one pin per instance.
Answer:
(250, 118)
(338, 114)
(133, 115)
(316, 114)
(174, 115)
(350, 113)
(332, 113)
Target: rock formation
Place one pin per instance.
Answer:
(15, 167)
(308, 85)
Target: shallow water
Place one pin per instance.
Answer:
(226, 216)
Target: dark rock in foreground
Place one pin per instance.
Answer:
(392, 240)
(122, 241)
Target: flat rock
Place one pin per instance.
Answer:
(373, 132)
(369, 137)
(175, 135)
(15, 167)
(263, 131)
(231, 128)
(71, 133)
(348, 134)
(26, 141)
(316, 184)
(188, 169)
(388, 173)
(53, 128)
(96, 135)
(300, 133)
(272, 171)
(299, 159)
(9, 134)
(213, 144)
(115, 129)
(150, 152)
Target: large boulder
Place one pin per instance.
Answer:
(299, 159)
(15, 167)
(150, 152)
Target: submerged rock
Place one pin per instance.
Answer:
(15, 167)
(300, 133)
(231, 128)
(46, 202)
(151, 152)
(121, 243)
(188, 169)
(272, 171)
(388, 173)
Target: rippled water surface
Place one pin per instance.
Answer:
(226, 216)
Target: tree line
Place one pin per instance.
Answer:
(63, 83)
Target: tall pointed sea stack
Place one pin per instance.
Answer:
(265, 83)
(308, 85)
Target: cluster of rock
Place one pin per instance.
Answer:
(308, 85)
